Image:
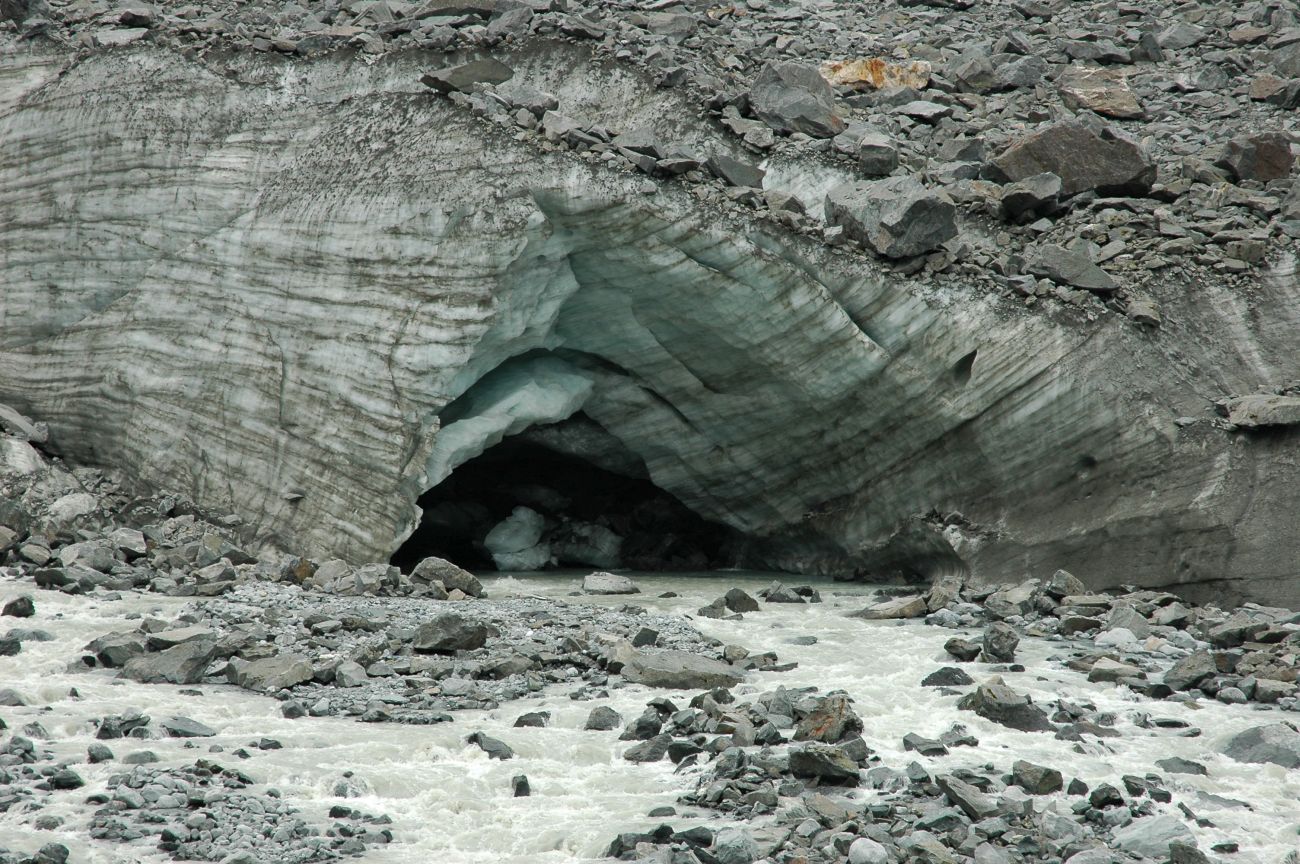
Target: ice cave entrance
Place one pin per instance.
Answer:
(522, 506)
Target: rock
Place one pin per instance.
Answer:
(184, 727)
(1000, 641)
(832, 721)
(463, 76)
(1191, 671)
(974, 803)
(20, 607)
(448, 633)
(452, 577)
(734, 845)
(678, 670)
(1063, 584)
(651, 750)
(1068, 267)
(924, 746)
(1278, 743)
(1177, 36)
(494, 748)
(948, 676)
(1179, 765)
(877, 153)
(1260, 410)
(97, 753)
(964, 650)
(896, 217)
(995, 701)
(1261, 156)
(1036, 779)
(827, 763)
(608, 583)
(115, 649)
(523, 95)
(269, 674)
(350, 674)
(1104, 161)
(877, 73)
(735, 172)
(519, 786)
(1032, 196)
(602, 719)
(1152, 835)
(897, 607)
(1102, 91)
(1108, 670)
(793, 97)
(183, 664)
(738, 601)
(864, 850)
(532, 720)
(1012, 600)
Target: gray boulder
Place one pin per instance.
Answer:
(185, 727)
(1068, 267)
(1000, 643)
(830, 722)
(738, 601)
(269, 673)
(1191, 670)
(735, 845)
(494, 748)
(114, 650)
(183, 664)
(877, 153)
(1278, 743)
(897, 217)
(830, 764)
(1032, 196)
(793, 97)
(996, 701)
(608, 583)
(465, 75)
(452, 577)
(651, 750)
(1263, 409)
(1150, 837)
(1262, 156)
(448, 633)
(679, 670)
(735, 172)
(602, 719)
(1106, 161)
(1036, 779)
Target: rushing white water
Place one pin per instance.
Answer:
(450, 803)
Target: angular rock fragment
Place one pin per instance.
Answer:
(1151, 836)
(608, 583)
(896, 607)
(1260, 410)
(461, 77)
(1068, 267)
(680, 670)
(448, 633)
(995, 701)
(1036, 779)
(793, 97)
(1085, 160)
(877, 73)
(1102, 91)
(827, 763)
(1000, 642)
(1261, 156)
(897, 217)
(652, 750)
(183, 664)
(832, 721)
(735, 172)
(1278, 743)
(267, 674)
(1191, 671)
(494, 748)
(1033, 196)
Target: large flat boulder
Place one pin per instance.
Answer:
(270, 673)
(1105, 161)
(679, 670)
(1278, 743)
(183, 664)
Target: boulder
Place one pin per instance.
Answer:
(1150, 837)
(961, 649)
(494, 748)
(1036, 779)
(448, 633)
(793, 97)
(974, 803)
(734, 172)
(270, 674)
(452, 577)
(115, 649)
(678, 670)
(185, 727)
(608, 583)
(463, 76)
(1261, 156)
(738, 601)
(830, 722)
(1032, 196)
(1100, 90)
(826, 763)
(1000, 642)
(182, 664)
(877, 153)
(864, 850)
(1012, 600)
(1105, 160)
(651, 750)
(734, 845)
(1071, 267)
(1278, 743)
(947, 676)
(602, 719)
(995, 701)
(897, 217)
(1259, 410)
(1191, 671)
(22, 606)
(897, 607)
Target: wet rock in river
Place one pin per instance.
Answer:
(678, 669)
(995, 701)
(20, 607)
(493, 747)
(182, 664)
(608, 583)
(1000, 642)
(602, 719)
(1277, 743)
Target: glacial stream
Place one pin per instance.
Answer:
(450, 803)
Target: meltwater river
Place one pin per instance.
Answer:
(451, 804)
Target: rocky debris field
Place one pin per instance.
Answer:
(1074, 152)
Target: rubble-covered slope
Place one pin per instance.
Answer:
(306, 290)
